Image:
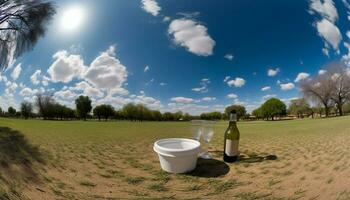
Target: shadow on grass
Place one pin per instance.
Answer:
(249, 158)
(210, 168)
(16, 150)
(255, 158)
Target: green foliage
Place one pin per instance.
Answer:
(103, 110)
(26, 109)
(211, 116)
(11, 111)
(299, 107)
(273, 108)
(83, 106)
(241, 111)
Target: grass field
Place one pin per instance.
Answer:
(115, 160)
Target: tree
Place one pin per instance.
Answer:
(83, 106)
(26, 109)
(319, 89)
(11, 111)
(103, 110)
(211, 116)
(257, 113)
(22, 23)
(46, 106)
(299, 107)
(273, 108)
(340, 75)
(241, 111)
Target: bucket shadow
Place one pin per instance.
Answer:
(210, 168)
(16, 150)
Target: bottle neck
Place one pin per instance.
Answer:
(233, 117)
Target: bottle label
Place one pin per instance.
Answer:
(231, 148)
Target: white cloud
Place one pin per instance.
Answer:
(204, 86)
(325, 8)
(106, 72)
(151, 6)
(273, 72)
(16, 72)
(301, 76)
(232, 96)
(182, 100)
(146, 68)
(66, 95)
(66, 67)
(266, 88)
(229, 57)
(237, 82)
(208, 99)
(269, 96)
(87, 89)
(35, 77)
(287, 86)
(28, 92)
(227, 78)
(191, 35)
(329, 32)
(166, 19)
(322, 71)
(162, 84)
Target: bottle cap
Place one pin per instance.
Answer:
(233, 112)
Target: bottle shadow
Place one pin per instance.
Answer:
(249, 158)
(210, 168)
(15, 150)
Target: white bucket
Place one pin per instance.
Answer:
(177, 155)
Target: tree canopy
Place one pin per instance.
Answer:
(241, 111)
(83, 106)
(22, 23)
(273, 108)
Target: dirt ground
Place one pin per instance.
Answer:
(308, 166)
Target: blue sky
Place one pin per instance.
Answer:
(194, 56)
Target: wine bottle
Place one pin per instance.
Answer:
(231, 141)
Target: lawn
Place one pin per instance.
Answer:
(114, 160)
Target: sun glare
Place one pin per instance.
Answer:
(72, 18)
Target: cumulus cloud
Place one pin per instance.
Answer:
(146, 68)
(182, 100)
(203, 86)
(287, 86)
(208, 98)
(322, 71)
(87, 89)
(229, 57)
(325, 8)
(66, 67)
(65, 94)
(191, 35)
(273, 72)
(106, 71)
(266, 88)
(28, 92)
(35, 78)
(268, 96)
(329, 33)
(151, 6)
(237, 82)
(227, 78)
(16, 72)
(301, 76)
(232, 96)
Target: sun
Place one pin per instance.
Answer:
(72, 18)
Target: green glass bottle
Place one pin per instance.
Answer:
(231, 141)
